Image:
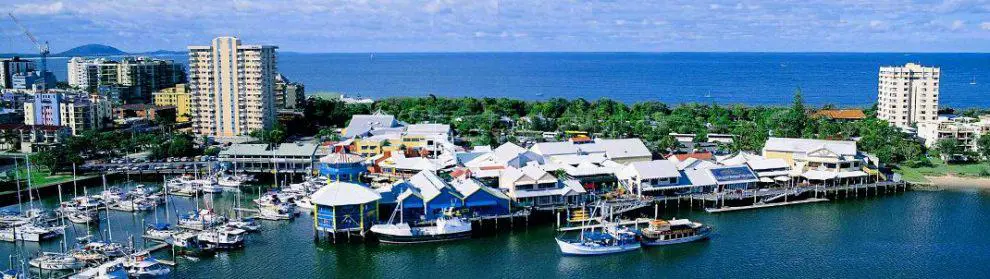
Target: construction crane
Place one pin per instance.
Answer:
(42, 49)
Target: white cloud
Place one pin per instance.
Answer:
(38, 9)
(985, 25)
(957, 25)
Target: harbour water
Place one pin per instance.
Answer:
(844, 79)
(916, 234)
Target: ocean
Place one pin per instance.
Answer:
(841, 79)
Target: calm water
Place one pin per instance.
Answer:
(846, 79)
(916, 234)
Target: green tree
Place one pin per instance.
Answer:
(948, 147)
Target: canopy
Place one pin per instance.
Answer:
(819, 175)
(782, 178)
(766, 179)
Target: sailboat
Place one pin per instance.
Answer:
(447, 227)
(609, 238)
(974, 81)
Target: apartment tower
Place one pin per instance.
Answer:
(908, 94)
(232, 87)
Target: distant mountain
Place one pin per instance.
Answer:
(91, 50)
(163, 52)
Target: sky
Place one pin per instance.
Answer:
(509, 25)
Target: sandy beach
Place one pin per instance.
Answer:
(959, 182)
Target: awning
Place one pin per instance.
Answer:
(848, 174)
(766, 180)
(783, 178)
(819, 175)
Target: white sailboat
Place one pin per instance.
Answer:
(609, 238)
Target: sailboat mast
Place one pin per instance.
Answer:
(75, 185)
(17, 178)
(30, 196)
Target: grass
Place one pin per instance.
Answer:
(940, 168)
(39, 178)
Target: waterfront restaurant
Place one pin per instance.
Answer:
(639, 177)
(290, 157)
(482, 200)
(345, 207)
(771, 170)
(733, 178)
(532, 186)
(426, 196)
(820, 161)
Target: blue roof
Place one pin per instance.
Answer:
(736, 174)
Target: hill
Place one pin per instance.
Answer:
(92, 50)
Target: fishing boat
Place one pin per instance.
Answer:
(144, 266)
(446, 227)
(159, 231)
(662, 232)
(283, 211)
(200, 220)
(56, 261)
(188, 244)
(247, 224)
(223, 237)
(598, 236)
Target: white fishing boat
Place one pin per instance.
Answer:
(445, 228)
(662, 232)
(223, 237)
(56, 261)
(144, 266)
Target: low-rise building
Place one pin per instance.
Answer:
(820, 160)
(639, 177)
(841, 114)
(621, 151)
(144, 111)
(966, 130)
(532, 186)
(31, 138)
(285, 158)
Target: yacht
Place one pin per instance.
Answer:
(31, 232)
(83, 217)
(184, 190)
(159, 232)
(230, 182)
(446, 227)
(140, 191)
(201, 220)
(145, 266)
(56, 261)
(304, 202)
(662, 232)
(223, 237)
(110, 249)
(247, 224)
(132, 205)
(115, 271)
(283, 211)
(207, 186)
(89, 256)
(188, 244)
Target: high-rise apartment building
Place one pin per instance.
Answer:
(289, 95)
(232, 87)
(908, 94)
(138, 76)
(11, 67)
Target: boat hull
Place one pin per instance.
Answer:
(657, 242)
(574, 249)
(413, 239)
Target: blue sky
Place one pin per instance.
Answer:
(503, 25)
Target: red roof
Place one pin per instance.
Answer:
(492, 167)
(696, 155)
(847, 114)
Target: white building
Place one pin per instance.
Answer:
(964, 129)
(638, 177)
(621, 151)
(908, 94)
(232, 87)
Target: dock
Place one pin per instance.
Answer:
(762, 205)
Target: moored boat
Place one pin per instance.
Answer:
(662, 232)
(56, 261)
(599, 243)
(445, 228)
